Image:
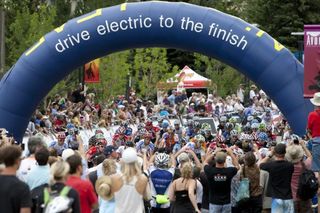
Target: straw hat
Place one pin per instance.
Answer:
(316, 99)
(294, 153)
(103, 187)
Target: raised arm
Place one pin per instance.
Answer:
(233, 157)
(196, 159)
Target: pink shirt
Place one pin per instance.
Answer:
(296, 175)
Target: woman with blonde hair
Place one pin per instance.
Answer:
(130, 185)
(183, 191)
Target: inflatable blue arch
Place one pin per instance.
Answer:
(152, 24)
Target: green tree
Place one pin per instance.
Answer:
(151, 66)
(28, 28)
(225, 79)
(280, 18)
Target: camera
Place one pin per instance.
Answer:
(296, 141)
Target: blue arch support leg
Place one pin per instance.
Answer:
(152, 24)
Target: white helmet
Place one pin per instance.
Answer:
(161, 160)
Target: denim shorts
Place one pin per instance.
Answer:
(315, 166)
(219, 208)
(282, 206)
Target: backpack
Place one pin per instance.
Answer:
(308, 184)
(55, 202)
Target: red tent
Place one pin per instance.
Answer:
(185, 79)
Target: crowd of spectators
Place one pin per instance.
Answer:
(160, 158)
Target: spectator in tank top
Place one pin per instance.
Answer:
(130, 185)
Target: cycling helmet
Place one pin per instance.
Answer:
(223, 119)
(142, 131)
(233, 120)
(254, 121)
(237, 151)
(219, 139)
(229, 125)
(165, 124)
(262, 136)
(262, 126)
(205, 126)
(199, 138)
(121, 130)
(161, 160)
(197, 125)
(255, 126)
(250, 118)
(140, 126)
(234, 132)
(246, 137)
(70, 126)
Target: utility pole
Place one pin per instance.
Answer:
(2, 40)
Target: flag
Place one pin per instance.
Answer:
(311, 60)
(91, 71)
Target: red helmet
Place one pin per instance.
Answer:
(149, 122)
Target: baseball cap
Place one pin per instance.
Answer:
(129, 155)
(67, 153)
(108, 150)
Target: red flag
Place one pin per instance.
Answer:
(311, 60)
(91, 71)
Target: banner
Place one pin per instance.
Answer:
(91, 71)
(311, 60)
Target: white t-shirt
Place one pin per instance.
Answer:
(252, 94)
